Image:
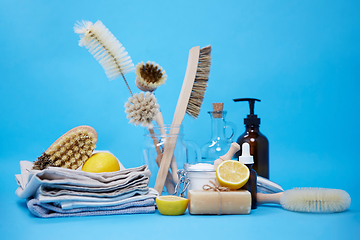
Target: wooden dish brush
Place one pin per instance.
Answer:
(190, 101)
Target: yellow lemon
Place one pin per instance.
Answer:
(232, 174)
(101, 162)
(171, 205)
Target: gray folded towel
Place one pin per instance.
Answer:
(46, 210)
(30, 180)
(70, 202)
(140, 188)
(60, 192)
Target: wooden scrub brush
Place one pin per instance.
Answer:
(70, 151)
(189, 101)
(201, 79)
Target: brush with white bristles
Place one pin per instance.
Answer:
(105, 48)
(315, 200)
(141, 108)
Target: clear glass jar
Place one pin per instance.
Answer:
(155, 141)
(200, 174)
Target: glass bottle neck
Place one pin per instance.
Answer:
(217, 126)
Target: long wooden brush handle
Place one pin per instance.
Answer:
(178, 116)
(268, 198)
(169, 185)
(160, 122)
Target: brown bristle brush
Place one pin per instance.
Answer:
(149, 76)
(70, 151)
(201, 82)
(190, 100)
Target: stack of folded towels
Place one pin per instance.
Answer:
(60, 192)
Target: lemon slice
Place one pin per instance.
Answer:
(171, 205)
(232, 174)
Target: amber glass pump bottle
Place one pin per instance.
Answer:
(259, 144)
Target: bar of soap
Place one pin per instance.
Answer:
(208, 202)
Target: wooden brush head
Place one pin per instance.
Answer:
(70, 151)
(200, 83)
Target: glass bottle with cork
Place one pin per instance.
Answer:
(219, 144)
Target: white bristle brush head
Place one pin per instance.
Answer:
(105, 48)
(315, 200)
(141, 109)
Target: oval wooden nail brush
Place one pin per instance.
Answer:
(70, 151)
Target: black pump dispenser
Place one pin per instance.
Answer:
(251, 119)
(259, 144)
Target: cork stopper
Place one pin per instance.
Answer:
(217, 110)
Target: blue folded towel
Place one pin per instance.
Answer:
(45, 210)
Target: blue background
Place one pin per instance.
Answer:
(301, 58)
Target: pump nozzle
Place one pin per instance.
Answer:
(251, 119)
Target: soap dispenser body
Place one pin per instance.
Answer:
(259, 149)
